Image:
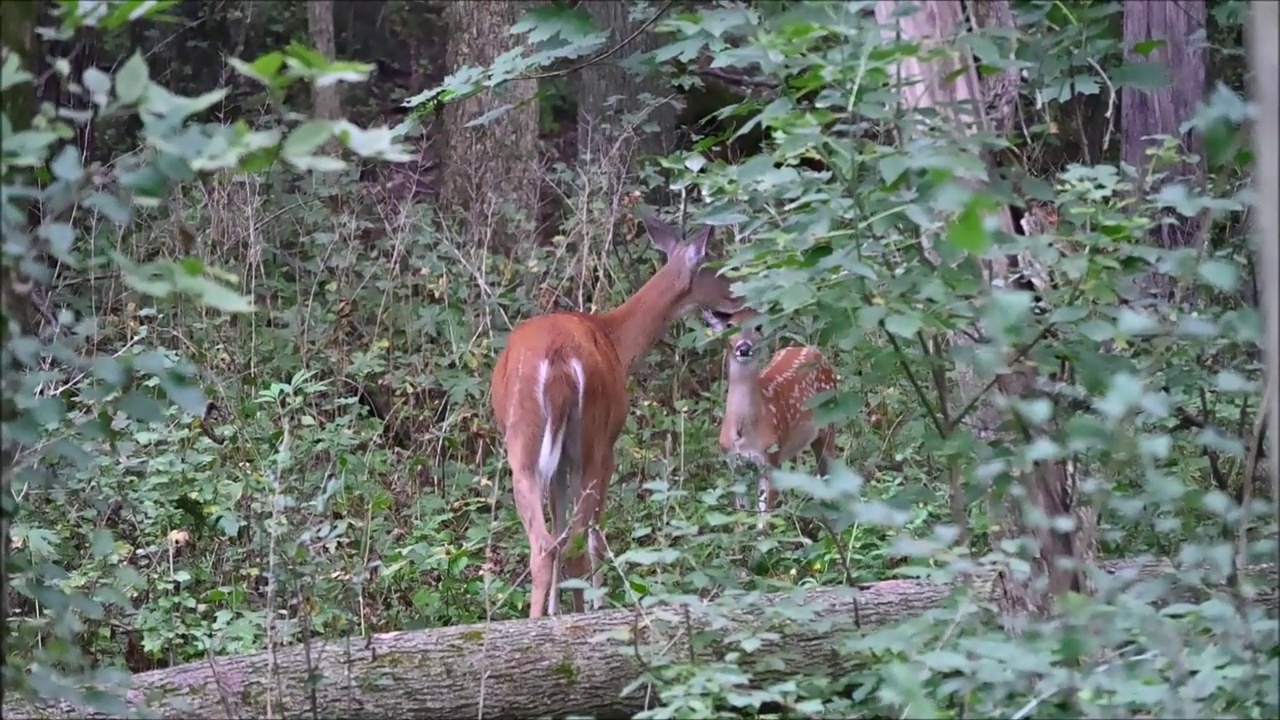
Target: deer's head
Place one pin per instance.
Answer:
(696, 286)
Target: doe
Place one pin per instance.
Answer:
(559, 396)
(767, 414)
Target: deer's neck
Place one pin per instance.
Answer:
(635, 325)
(744, 403)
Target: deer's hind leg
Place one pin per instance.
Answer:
(824, 448)
(543, 548)
(586, 556)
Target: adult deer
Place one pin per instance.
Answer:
(560, 401)
(767, 418)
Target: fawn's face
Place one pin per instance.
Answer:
(746, 345)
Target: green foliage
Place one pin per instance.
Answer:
(843, 245)
(90, 435)
(553, 32)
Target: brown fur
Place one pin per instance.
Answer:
(766, 416)
(607, 346)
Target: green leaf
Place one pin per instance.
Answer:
(266, 69)
(1142, 75)
(212, 293)
(892, 167)
(1036, 411)
(110, 206)
(1146, 47)
(304, 56)
(183, 392)
(643, 556)
(1098, 330)
(141, 408)
(544, 22)
(380, 142)
(59, 237)
(101, 544)
(66, 165)
(1069, 314)
(1135, 323)
(1229, 382)
(904, 325)
(1221, 274)
(869, 316)
(968, 232)
(11, 73)
(307, 137)
(133, 79)
(1123, 395)
(317, 163)
(342, 71)
(98, 84)
(39, 541)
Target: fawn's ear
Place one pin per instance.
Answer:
(662, 234)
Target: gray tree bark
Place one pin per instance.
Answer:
(611, 91)
(491, 170)
(1163, 111)
(952, 87)
(1264, 62)
(576, 664)
(326, 103)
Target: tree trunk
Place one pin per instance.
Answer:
(325, 101)
(616, 123)
(18, 36)
(951, 85)
(555, 666)
(1264, 62)
(1163, 111)
(491, 170)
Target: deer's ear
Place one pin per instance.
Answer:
(662, 234)
(696, 246)
(700, 240)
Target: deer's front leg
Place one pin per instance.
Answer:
(766, 496)
(742, 470)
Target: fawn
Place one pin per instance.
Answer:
(767, 420)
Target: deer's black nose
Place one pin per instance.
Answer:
(742, 349)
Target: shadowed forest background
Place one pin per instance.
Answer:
(260, 258)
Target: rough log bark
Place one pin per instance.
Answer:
(1264, 62)
(576, 664)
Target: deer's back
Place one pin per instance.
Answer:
(558, 339)
(792, 378)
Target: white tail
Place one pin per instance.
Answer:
(766, 417)
(559, 397)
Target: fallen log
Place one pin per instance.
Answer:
(569, 665)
